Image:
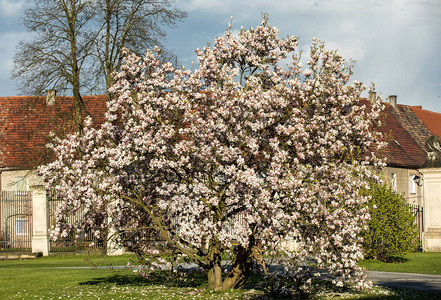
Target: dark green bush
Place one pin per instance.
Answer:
(392, 231)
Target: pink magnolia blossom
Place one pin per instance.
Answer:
(237, 156)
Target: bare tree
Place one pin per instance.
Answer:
(78, 43)
(56, 57)
(134, 24)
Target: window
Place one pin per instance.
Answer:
(21, 226)
(412, 184)
(393, 181)
(21, 185)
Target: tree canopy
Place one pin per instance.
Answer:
(238, 156)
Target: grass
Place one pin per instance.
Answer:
(69, 260)
(45, 278)
(53, 278)
(417, 262)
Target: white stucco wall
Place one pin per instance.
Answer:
(403, 183)
(432, 209)
(8, 179)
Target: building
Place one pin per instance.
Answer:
(25, 127)
(405, 153)
(411, 172)
(26, 123)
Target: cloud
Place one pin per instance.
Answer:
(395, 42)
(7, 49)
(10, 8)
(280, 6)
(354, 49)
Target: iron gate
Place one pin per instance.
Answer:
(418, 213)
(15, 221)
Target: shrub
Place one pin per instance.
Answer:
(391, 230)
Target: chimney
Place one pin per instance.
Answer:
(393, 100)
(50, 97)
(372, 97)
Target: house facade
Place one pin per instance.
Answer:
(404, 154)
(25, 127)
(432, 179)
(407, 169)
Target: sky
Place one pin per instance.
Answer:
(396, 43)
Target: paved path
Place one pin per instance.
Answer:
(422, 282)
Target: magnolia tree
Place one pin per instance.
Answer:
(237, 156)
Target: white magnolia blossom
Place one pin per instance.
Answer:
(237, 155)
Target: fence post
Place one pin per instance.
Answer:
(40, 239)
(432, 209)
(113, 248)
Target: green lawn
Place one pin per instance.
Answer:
(418, 262)
(69, 260)
(48, 278)
(45, 278)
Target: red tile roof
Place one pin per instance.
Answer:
(413, 125)
(431, 119)
(402, 149)
(25, 124)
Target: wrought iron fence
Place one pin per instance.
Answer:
(16, 226)
(418, 212)
(15, 221)
(139, 237)
(86, 240)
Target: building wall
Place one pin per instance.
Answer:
(16, 216)
(432, 209)
(20, 219)
(8, 179)
(413, 195)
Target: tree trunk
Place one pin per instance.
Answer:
(71, 16)
(78, 107)
(108, 55)
(240, 270)
(214, 270)
(243, 265)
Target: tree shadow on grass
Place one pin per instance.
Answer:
(193, 280)
(199, 280)
(388, 260)
(396, 259)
